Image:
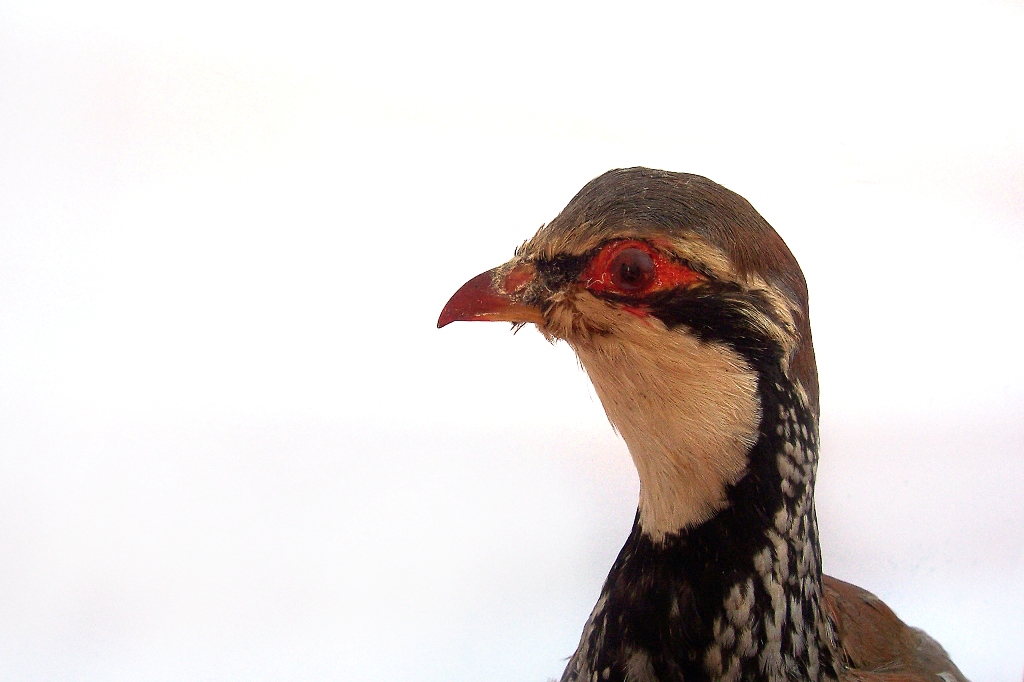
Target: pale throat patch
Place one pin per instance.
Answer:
(688, 410)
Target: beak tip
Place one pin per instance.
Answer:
(464, 303)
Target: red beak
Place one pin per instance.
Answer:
(480, 299)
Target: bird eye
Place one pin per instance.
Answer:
(632, 270)
(636, 269)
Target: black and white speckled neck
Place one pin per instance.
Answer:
(735, 598)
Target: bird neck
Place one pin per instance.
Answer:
(689, 412)
(768, 623)
(736, 597)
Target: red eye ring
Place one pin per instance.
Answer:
(630, 267)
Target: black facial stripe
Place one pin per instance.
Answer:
(713, 312)
(719, 313)
(555, 273)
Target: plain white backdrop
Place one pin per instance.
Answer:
(233, 446)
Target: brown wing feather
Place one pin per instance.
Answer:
(877, 645)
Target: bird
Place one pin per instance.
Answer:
(689, 314)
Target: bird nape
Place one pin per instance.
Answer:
(689, 314)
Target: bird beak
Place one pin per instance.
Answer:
(490, 296)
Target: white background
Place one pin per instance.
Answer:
(233, 446)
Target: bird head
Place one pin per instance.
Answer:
(684, 306)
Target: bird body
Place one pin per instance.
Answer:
(689, 314)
